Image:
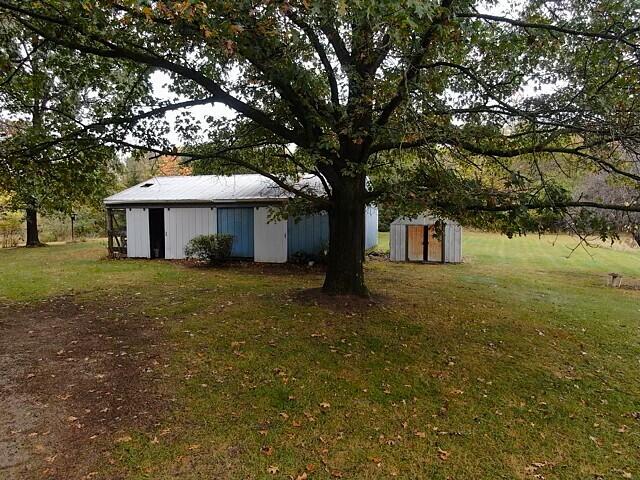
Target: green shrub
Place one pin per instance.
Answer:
(11, 224)
(214, 248)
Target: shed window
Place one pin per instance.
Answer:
(146, 185)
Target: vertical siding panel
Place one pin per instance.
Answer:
(138, 243)
(194, 230)
(172, 230)
(250, 232)
(168, 244)
(143, 237)
(396, 242)
(239, 223)
(371, 226)
(308, 235)
(203, 221)
(453, 243)
(456, 243)
(187, 230)
(175, 232)
(392, 243)
(270, 242)
(179, 226)
(184, 224)
(180, 234)
(447, 242)
(183, 230)
(202, 226)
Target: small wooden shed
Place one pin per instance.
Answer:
(425, 238)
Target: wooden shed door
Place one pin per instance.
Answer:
(434, 251)
(415, 243)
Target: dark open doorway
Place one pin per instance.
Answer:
(156, 232)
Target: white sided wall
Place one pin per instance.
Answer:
(398, 243)
(181, 224)
(270, 238)
(371, 226)
(453, 243)
(138, 233)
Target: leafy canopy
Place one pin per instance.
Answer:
(478, 110)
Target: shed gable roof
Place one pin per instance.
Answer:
(209, 189)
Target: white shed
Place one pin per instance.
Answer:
(164, 213)
(425, 238)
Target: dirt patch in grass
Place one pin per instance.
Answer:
(75, 378)
(340, 303)
(256, 268)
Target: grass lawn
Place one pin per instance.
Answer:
(519, 363)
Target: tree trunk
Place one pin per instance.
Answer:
(636, 236)
(33, 239)
(345, 273)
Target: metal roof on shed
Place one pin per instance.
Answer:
(208, 189)
(424, 218)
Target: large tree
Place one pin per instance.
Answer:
(481, 95)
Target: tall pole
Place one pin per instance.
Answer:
(73, 218)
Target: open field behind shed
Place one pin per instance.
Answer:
(518, 363)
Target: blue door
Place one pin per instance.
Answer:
(239, 223)
(309, 234)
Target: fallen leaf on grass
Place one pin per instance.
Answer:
(273, 469)
(443, 455)
(123, 439)
(268, 451)
(302, 476)
(421, 434)
(325, 405)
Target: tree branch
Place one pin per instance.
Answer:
(111, 50)
(553, 28)
(322, 54)
(413, 68)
